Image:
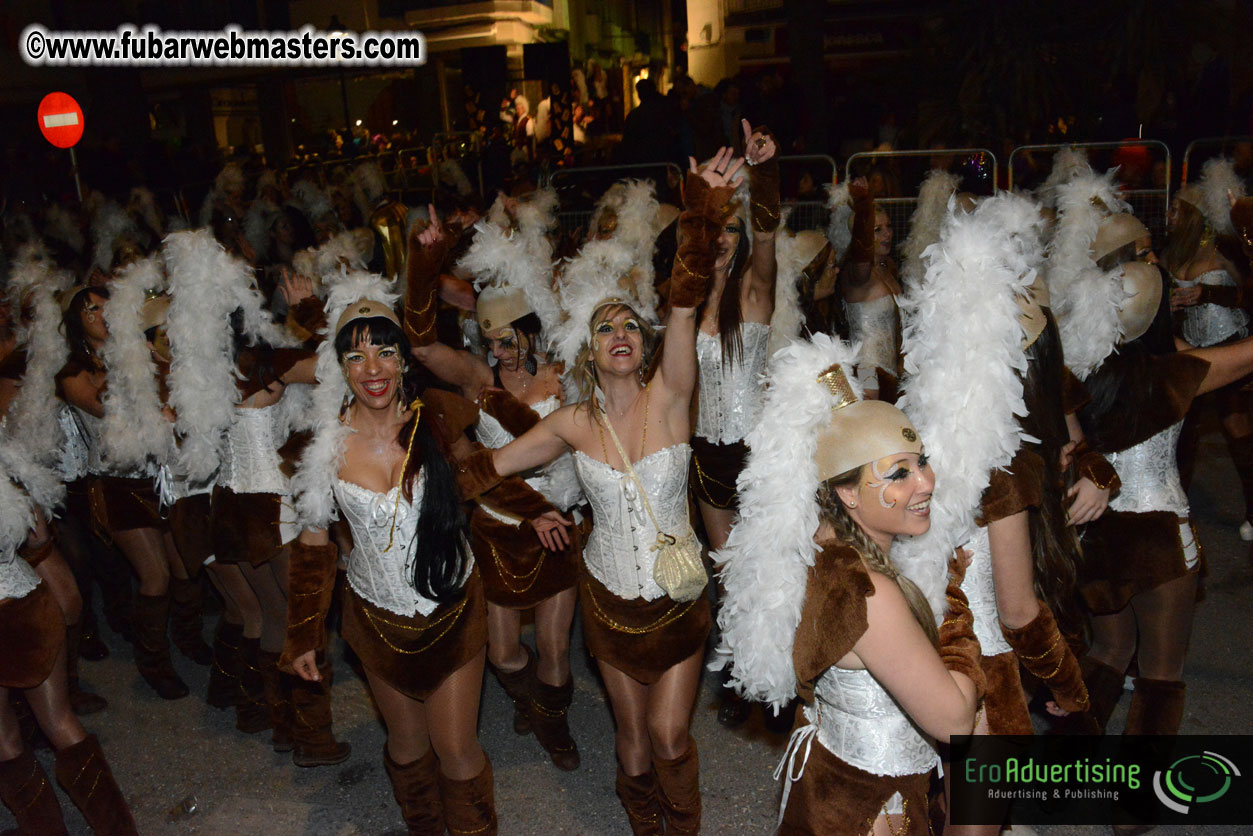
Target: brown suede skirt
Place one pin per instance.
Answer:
(32, 631)
(192, 530)
(643, 639)
(245, 526)
(120, 503)
(414, 655)
(518, 572)
(1127, 553)
(833, 798)
(1003, 701)
(714, 470)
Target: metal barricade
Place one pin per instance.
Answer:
(891, 176)
(1200, 150)
(1144, 169)
(578, 189)
(802, 189)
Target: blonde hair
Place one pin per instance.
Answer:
(584, 372)
(831, 510)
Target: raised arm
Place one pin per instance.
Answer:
(537, 446)
(859, 262)
(760, 154)
(707, 190)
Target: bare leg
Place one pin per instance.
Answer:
(229, 577)
(272, 602)
(1114, 638)
(718, 523)
(60, 579)
(223, 578)
(50, 702)
(670, 703)
(177, 569)
(553, 619)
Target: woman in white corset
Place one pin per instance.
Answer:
(816, 608)
(869, 285)
(523, 568)
(648, 645)
(413, 605)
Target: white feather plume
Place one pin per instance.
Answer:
(319, 465)
(840, 222)
(60, 225)
(32, 420)
(790, 261)
(964, 361)
(16, 510)
(368, 186)
(325, 263)
(1218, 176)
(602, 270)
(134, 429)
(110, 223)
(1068, 163)
(924, 224)
(203, 278)
(771, 548)
(40, 482)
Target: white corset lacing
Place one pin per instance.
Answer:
(1150, 482)
(251, 463)
(619, 551)
(555, 480)
(72, 460)
(730, 393)
(856, 720)
(1209, 324)
(873, 324)
(17, 578)
(980, 592)
(382, 575)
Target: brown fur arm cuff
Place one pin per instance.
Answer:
(1042, 649)
(422, 297)
(312, 580)
(513, 497)
(699, 226)
(1096, 468)
(306, 319)
(516, 417)
(861, 249)
(456, 413)
(1225, 296)
(476, 475)
(763, 192)
(959, 649)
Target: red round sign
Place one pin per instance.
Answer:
(60, 119)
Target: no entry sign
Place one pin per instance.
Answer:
(60, 119)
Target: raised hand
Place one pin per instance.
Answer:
(759, 145)
(720, 170)
(433, 235)
(294, 287)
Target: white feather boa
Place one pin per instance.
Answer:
(319, 465)
(840, 222)
(790, 260)
(41, 484)
(964, 362)
(1218, 176)
(134, 429)
(32, 419)
(924, 224)
(602, 270)
(203, 278)
(110, 223)
(1068, 163)
(771, 548)
(16, 510)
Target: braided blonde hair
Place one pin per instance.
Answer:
(831, 510)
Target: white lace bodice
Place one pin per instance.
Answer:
(73, 458)
(874, 325)
(730, 394)
(618, 552)
(92, 427)
(17, 578)
(381, 575)
(555, 480)
(981, 593)
(1150, 482)
(251, 462)
(1208, 324)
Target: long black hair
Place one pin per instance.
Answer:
(730, 314)
(441, 560)
(81, 352)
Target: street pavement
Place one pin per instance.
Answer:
(186, 770)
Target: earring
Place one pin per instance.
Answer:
(852, 505)
(343, 407)
(531, 366)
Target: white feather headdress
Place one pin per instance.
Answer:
(319, 465)
(326, 263)
(41, 484)
(964, 362)
(840, 222)
(634, 202)
(924, 224)
(1218, 176)
(109, 224)
(368, 185)
(60, 225)
(792, 254)
(771, 548)
(134, 430)
(32, 420)
(1068, 163)
(308, 198)
(601, 272)
(204, 281)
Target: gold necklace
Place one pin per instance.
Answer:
(604, 416)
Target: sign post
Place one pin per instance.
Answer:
(61, 122)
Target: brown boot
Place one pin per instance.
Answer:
(187, 620)
(252, 714)
(277, 701)
(1104, 688)
(520, 686)
(25, 790)
(678, 782)
(1156, 707)
(416, 788)
(548, 718)
(469, 806)
(313, 739)
(152, 647)
(82, 702)
(1043, 651)
(84, 774)
(638, 794)
(224, 690)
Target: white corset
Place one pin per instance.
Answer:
(1150, 482)
(730, 393)
(381, 575)
(17, 578)
(92, 427)
(856, 720)
(73, 455)
(873, 324)
(555, 480)
(619, 552)
(251, 462)
(981, 593)
(1208, 324)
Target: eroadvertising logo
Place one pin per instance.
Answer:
(1100, 780)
